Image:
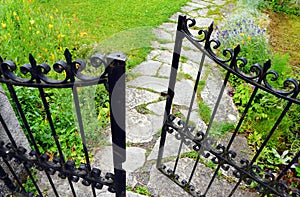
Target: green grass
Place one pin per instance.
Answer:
(121, 25)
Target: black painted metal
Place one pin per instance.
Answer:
(223, 156)
(72, 72)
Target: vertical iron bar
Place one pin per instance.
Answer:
(32, 179)
(190, 108)
(22, 114)
(212, 179)
(178, 156)
(116, 83)
(5, 178)
(80, 122)
(54, 134)
(195, 88)
(237, 129)
(194, 168)
(217, 104)
(278, 121)
(242, 118)
(294, 160)
(172, 81)
(27, 127)
(14, 174)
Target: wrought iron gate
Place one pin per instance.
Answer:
(222, 155)
(108, 71)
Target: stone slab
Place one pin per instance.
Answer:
(136, 97)
(153, 54)
(192, 55)
(188, 8)
(203, 22)
(164, 70)
(195, 118)
(163, 35)
(139, 127)
(170, 27)
(210, 94)
(192, 68)
(203, 4)
(202, 12)
(154, 83)
(183, 93)
(149, 67)
(135, 158)
(163, 186)
(168, 46)
(171, 148)
(219, 2)
(165, 57)
(158, 108)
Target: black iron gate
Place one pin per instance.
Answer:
(104, 70)
(243, 170)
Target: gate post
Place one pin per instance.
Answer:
(116, 83)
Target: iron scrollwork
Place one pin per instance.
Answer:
(70, 72)
(258, 75)
(43, 163)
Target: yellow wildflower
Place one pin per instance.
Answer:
(31, 21)
(8, 34)
(83, 34)
(52, 57)
(15, 13)
(241, 34)
(69, 25)
(3, 25)
(50, 26)
(38, 32)
(30, 28)
(51, 17)
(17, 18)
(243, 42)
(60, 35)
(249, 38)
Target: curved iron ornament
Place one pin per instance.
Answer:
(70, 72)
(267, 183)
(68, 170)
(258, 75)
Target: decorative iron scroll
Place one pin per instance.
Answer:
(71, 72)
(42, 163)
(267, 182)
(258, 75)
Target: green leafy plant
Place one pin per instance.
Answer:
(286, 6)
(142, 190)
(297, 168)
(278, 159)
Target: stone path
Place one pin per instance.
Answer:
(145, 109)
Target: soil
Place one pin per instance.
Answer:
(284, 31)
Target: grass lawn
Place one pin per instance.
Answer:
(121, 25)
